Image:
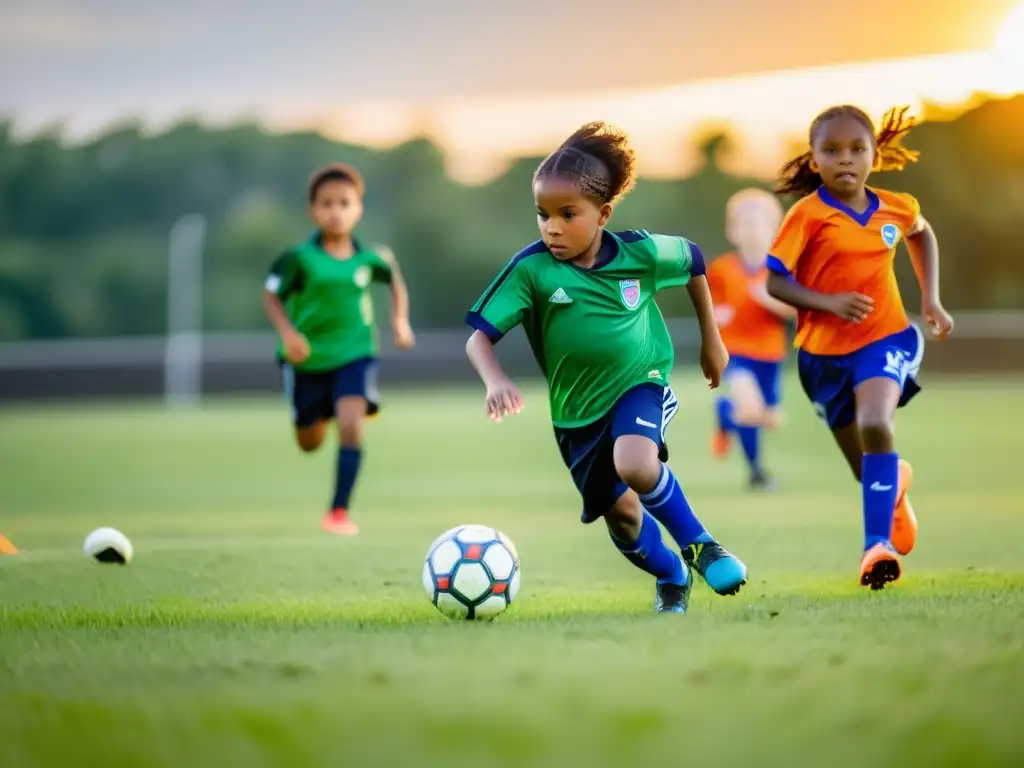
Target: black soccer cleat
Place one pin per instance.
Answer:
(673, 598)
(760, 480)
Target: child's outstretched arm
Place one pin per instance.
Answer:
(924, 255)
(285, 277)
(759, 292)
(503, 398)
(503, 306)
(400, 326)
(296, 347)
(791, 242)
(713, 355)
(849, 306)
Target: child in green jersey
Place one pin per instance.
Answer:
(585, 297)
(317, 297)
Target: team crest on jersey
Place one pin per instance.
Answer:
(630, 292)
(361, 277)
(890, 235)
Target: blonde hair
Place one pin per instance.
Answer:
(753, 195)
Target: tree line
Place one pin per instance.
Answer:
(84, 228)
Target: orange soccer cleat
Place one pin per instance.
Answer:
(6, 548)
(879, 566)
(337, 521)
(904, 522)
(721, 444)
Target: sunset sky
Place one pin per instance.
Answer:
(489, 83)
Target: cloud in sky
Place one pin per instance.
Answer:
(492, 78)
(39, 30)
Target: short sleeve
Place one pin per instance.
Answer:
(285, 275)
(383, 264)
(790, 242)
(505, 302)
(913, 212)
(676, 261)
(915, 206)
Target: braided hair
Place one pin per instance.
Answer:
(598, 158)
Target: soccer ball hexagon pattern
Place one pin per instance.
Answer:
(471, 572)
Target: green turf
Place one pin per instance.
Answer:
(241, 635)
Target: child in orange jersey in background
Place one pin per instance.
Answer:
(859, 354)
(753, 327)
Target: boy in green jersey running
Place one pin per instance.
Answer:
(317, 296)
(585, 297)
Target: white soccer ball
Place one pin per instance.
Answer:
(108, 545)
(471, 572)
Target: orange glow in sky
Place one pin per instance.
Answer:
(765, 112)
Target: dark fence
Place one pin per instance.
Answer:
(134, 367)
(230, 364)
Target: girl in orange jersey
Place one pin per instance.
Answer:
(858, 352)
(753, 327)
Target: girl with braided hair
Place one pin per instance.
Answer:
(859, 355)
(585, 298)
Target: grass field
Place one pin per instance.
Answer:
(242, 635)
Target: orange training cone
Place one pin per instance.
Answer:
(6, 548)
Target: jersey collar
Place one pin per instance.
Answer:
(861, 218)
(317, 239)
(606, 254)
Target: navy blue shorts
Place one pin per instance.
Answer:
(588, 451)
(313, 395)
(766, 373)
(830, 381)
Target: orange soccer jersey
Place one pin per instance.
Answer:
(753, 331)
(828, 247)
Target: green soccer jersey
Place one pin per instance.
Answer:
(596, 333)
(328, 301)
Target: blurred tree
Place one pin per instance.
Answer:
(84, 228)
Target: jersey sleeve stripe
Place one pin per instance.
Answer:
(632, 235)
(537, 247)
(697, 264)
(475, 320)
(775, 265)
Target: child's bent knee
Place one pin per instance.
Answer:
(748, 412)
(310, 438)
(876, 433)
(636, 462)
(350, 413)
(640, 475)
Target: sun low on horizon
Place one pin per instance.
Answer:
(976, 52)
(765, 112)
(1010, 35)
